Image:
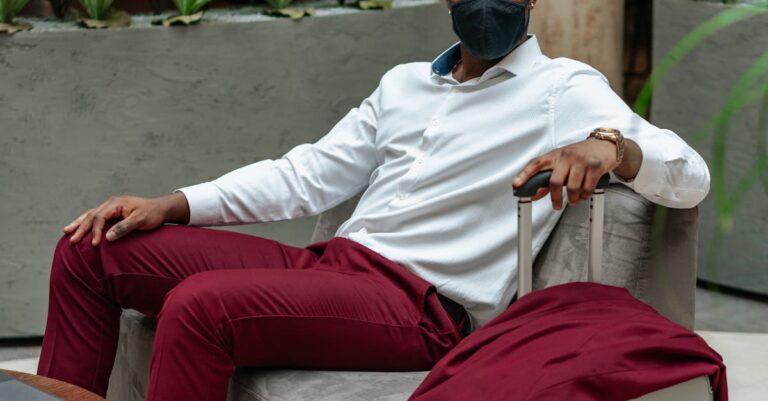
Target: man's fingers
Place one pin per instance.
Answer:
(590, 182)
(83, 224)
(70, 228)
(559, 175)
(82, 229)
(121, 229)
(532, 168)
(540, 193)
(575, 181)
(99, 221)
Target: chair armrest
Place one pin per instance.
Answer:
(674, 264)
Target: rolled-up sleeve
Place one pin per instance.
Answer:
(672, 174)
(308, 180)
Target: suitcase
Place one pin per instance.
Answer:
(698, 389)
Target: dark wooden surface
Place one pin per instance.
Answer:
(65, 391)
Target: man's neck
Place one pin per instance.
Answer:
(471, 67)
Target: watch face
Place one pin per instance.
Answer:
(613, 136)
(609, 130)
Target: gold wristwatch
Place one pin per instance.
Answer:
(613, 135)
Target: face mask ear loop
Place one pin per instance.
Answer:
(528, 16)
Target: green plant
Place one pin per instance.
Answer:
(750, 89)
(97, 9)
(369, 4)
(189, 7)
(687, 44)
(279, 4)
(9, 9)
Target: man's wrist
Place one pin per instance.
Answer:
(630, 165)
(611, 135)
(175, 208)
(609, 154)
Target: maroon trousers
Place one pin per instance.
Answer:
(223, 299)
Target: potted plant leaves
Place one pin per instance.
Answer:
(369, 4)
(102, 15)
(190, 12)
(8, 11)
(279, 8)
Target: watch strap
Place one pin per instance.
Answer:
(612, 135)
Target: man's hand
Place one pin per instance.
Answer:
(579, 167)
(135, 214)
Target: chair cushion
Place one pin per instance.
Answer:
(130, 377)
(301, 385)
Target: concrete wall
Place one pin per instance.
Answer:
(88, 114)
(694, 91)
(587, 30)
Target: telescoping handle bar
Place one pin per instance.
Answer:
(525, 234)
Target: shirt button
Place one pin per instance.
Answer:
(435, 122)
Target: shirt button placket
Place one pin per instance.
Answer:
(434, 123)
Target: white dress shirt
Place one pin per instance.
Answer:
(438, 158)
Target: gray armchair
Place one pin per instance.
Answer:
(648, 249)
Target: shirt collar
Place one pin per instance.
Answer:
(516, 62)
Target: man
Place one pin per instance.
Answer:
(438, 147)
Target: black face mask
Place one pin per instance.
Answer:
(490, 29)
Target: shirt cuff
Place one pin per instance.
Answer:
(204, 204)
(651, 177)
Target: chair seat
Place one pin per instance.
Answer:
(306, 385)
(250, 384)
(698, 389)
(130, 376)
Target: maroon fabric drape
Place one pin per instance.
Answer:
(575, 342)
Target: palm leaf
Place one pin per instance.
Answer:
(279, 4)
(747, 91)
(741, 92)
(189, 7)
(750, 98)
(687, 44)
(10, 8)
(762, 137)
(97, 9)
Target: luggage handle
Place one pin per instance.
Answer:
(525, 235)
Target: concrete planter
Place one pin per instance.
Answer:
(88, 114)
(42, 8)
(696, 90)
